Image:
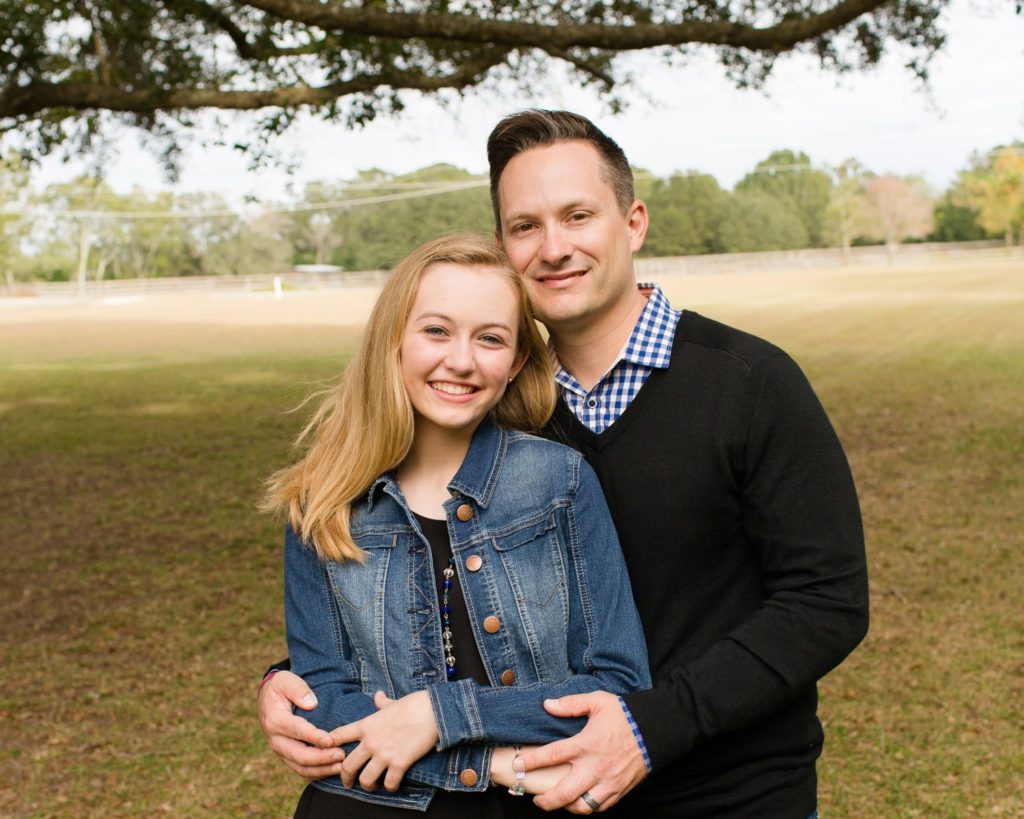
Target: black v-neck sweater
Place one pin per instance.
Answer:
(740, 526)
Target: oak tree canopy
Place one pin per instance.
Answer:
(71, 68)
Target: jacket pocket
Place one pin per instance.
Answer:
(533, 558)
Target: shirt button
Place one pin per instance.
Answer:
(474, 562)
(592, 402)
(491, 624)
(468, 777)
(508, 677)
(464, 512)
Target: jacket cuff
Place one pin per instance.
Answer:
(457, 713)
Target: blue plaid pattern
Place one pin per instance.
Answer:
(649, 348)
(636, 734)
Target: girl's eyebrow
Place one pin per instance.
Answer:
(436, 315)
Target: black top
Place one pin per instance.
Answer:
(468, 663)
(740, 526)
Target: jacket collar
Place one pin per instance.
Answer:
(476, 477)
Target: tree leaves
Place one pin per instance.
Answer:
(150, 62)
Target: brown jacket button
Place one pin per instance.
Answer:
(474, 562)
(508, 677)
(468, 777)
(464, 512)
(491, 624)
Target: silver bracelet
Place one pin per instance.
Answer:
(518, 789)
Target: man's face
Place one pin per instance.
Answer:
(562, 228)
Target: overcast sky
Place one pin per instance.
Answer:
(696, 121)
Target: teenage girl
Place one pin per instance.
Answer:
(446, 571)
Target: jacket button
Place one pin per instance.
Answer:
(491, 624)
(508, 677)
(468, 777)
(474, 562)
(464, 512)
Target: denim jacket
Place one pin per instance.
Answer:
(545, 585)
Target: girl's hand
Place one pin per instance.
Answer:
(537, 781)
(390, 740)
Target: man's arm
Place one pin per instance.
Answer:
(801, 518)
(306, 749)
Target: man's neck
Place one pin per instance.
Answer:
(587, 351)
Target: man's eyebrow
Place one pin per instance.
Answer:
(575, 204)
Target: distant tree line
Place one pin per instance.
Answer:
(83, 229)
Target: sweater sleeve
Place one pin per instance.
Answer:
(800, 517)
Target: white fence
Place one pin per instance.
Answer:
(646, 268)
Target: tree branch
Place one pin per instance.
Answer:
(780, 37)
(246, 50)
(29, 100)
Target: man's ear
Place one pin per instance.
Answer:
(637, 221)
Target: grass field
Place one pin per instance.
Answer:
(142, 593)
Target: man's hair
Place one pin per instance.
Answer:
(535, 128)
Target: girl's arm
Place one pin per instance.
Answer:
(606, 648)
(321, 654)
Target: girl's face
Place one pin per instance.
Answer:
(459, 346)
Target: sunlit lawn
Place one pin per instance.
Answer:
(142, 597)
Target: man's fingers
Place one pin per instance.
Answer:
(310, 763)
(293, 688)
(381, 700)
(290, 726)
(553, 753)
(572, 705)
(566, 791)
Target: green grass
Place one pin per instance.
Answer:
(142, 591)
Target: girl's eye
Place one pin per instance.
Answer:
(491, 339)
(434, 331)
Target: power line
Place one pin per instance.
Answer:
(337, 204)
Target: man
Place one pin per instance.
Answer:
(732, 497)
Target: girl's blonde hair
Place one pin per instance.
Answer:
(364, 426)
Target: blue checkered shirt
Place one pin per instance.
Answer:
(649, 348)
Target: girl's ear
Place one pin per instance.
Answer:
(517, 367)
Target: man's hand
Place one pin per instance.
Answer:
(289, 736)
(605, 758)
(390, 740)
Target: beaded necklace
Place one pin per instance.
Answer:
(446, 611)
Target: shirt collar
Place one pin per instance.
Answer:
(649, 345)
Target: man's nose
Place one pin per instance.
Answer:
(555, 247)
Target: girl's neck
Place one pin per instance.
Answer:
(432, 462)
